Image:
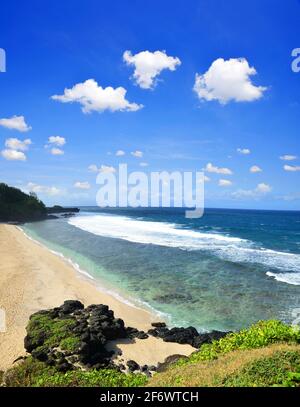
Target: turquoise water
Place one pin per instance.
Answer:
(223, 271)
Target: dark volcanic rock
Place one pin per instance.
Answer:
(132, 365)
(142, 335)
(159, 324)
(71, 336)
(70, 306)
(208, 338)
(83, 334)
(188, 335)
(170, 360)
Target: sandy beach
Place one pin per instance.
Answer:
(33, 278)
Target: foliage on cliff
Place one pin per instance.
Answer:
(16, 206)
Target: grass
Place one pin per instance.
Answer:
(55, 332)
(267, 366)
(266, 354)
(32, 373)
(282, 368)
(261, 334)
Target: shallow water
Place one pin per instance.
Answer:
(223, 271)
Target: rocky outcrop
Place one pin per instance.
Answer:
(189, 336)
(71, 337)
(61, 209)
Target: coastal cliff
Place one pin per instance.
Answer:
(17, 206)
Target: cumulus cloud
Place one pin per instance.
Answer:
(93, 168)
(15, 123)
(92, 97)
(144, 164)
(107, 168)
(148, 65)
(57, 140)
(244, 151)
(16, 144)
(227, 81)
(224, 183)
(255, 168)
(82, 185)
(217, 170)
(119, 153)
(13, 155)
(102, 168)
(47, 190)
(288, 157)
(137, 153)
(291, 168)
(261, 190)
(56, 151)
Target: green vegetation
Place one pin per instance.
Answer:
(266, 354)
(32, 373)
(54, 332)
(282, 369)
(262, 334)
(15, 205)
(273, 365)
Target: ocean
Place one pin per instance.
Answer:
(223, 271)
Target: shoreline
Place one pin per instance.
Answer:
(99, 283)
(32, 278)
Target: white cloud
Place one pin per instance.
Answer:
(102, 168)
(148, 65)
(214, 169)
(244, 151)
(13, 155)
(119, 153)
(57, 140)
(291, 168)
(16, 144)
(255, 168)
(93, 168)
(225, 183)
(107, 168)
(288, 157)
(92, 97)
(228, 80)
(137, 153)
(144, 164)
(82, 185)
(261, 190)
(15, 123)
(51, 191)
(56, 151)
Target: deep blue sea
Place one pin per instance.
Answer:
(224, 271)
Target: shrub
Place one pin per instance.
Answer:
(258, 335)
(280, 369)
(32, 373)
(54, 332)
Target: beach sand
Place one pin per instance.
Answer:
(33, 278)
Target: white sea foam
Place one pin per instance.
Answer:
(171, 235)
(289, 278)
(135, 303)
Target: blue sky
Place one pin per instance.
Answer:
(52, 46)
